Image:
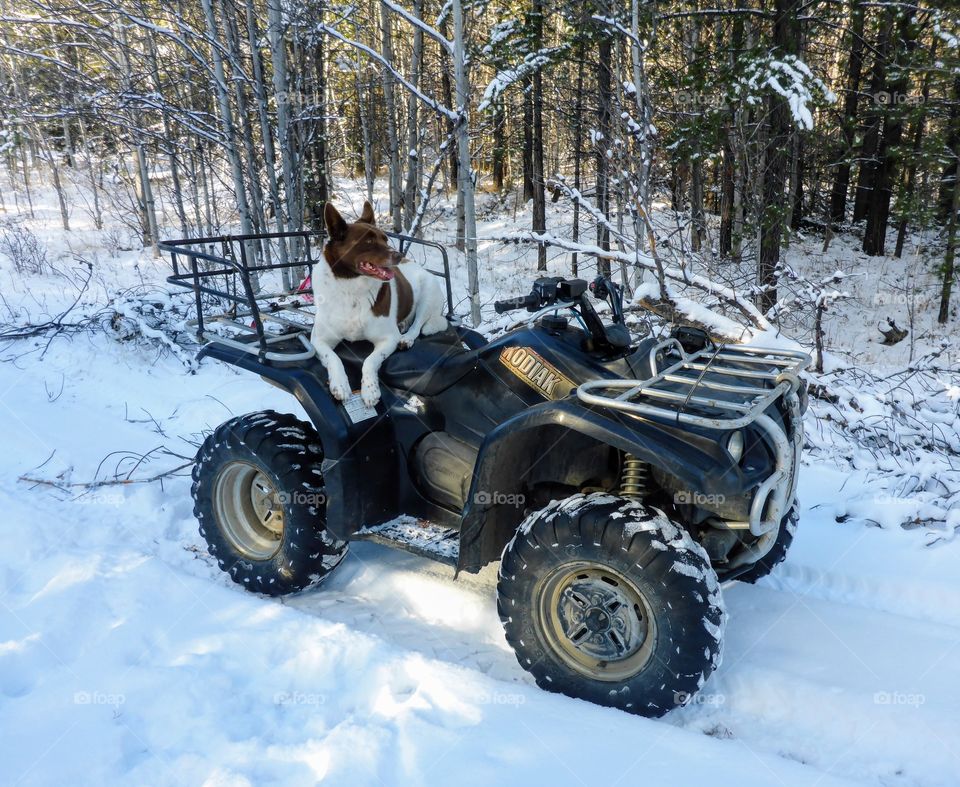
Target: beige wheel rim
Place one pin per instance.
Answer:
(248, 509)
(596, 620)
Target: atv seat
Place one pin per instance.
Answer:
(431, 365)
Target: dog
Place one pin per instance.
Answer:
(367, 292)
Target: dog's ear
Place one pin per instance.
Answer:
(368, 217)
(336, 226)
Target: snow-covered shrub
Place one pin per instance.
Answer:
(898, 436)
(156, 318)
(24, 249)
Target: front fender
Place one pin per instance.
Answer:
(695, 458)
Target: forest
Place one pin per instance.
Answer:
(748, 124)
(695, 392)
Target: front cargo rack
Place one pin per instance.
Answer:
(250, 292)
(695, 390)
(762, 374)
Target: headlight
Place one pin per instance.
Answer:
(735, 446)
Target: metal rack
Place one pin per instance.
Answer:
(690, 383)
(227, 275)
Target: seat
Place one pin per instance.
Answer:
(432, 365)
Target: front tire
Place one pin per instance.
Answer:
(260, 501)
(605, 599)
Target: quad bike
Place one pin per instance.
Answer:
(617, 482)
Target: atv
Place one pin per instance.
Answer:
(617, 482)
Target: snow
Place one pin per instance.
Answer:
(126, 656)
(791, 78)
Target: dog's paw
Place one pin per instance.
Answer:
(404, 343)
(339, 388)
(370, 392)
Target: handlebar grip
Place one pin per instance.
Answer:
(521, 302)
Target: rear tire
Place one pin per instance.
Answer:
(605, 599)
(777, 553)
(260, 501)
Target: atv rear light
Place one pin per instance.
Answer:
(735, 446)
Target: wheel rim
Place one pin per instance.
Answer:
(596, 620)
(248, 509)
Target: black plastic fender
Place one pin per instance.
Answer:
(356, 456)
(698, 461)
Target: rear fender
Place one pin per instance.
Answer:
(511, 452)
(356, 456)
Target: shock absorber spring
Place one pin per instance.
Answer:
(634, 477)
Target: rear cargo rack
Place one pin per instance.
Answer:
(690, 384)
(247, 301)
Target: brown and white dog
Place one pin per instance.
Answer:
(366, 292)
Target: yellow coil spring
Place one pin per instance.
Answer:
(634, 477)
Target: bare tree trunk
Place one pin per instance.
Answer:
(91, 175)
(527, 98)
(785, 37)
(412, 189)
(910, 185)
(145, 197)
(464, 166)
(949, 263)
(795, 194)
(841, 180)
(539, 197)
(393, 143)
(949, 266)
(577, 152)
(278, 57)
(697, 217)
(266, 135)
(878, 211)
(226, 124)
(499, 145)
(869, 163)
(605, 101)
(369, 163)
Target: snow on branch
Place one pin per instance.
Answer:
(639, 259)
(531, 63)
(609, 21)
(435, 34)
(789, 77)
(436, 106)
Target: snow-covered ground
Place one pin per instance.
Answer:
(126, 656)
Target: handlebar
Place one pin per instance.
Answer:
(528, 301)
(571, 293)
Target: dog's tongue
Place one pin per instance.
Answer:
(384, 274)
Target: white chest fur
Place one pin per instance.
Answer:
(345, 306)
(345, 311)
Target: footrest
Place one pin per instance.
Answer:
(416, 536)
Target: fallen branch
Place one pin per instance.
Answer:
(65, 486)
